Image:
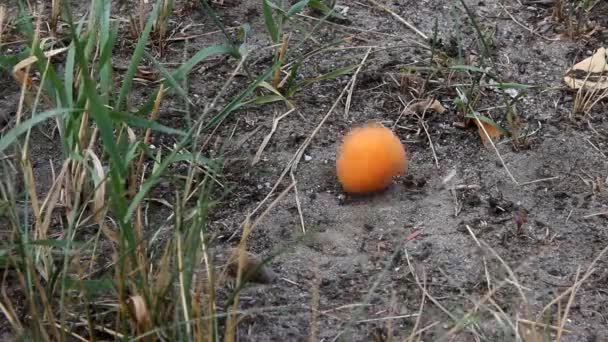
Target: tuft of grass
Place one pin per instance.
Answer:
(574, 18)
(585, 100)
(114, 282)
(162, 24)
(284, 84)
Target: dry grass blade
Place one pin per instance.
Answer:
(593, 87)
(417, 107)
(513, 278)
(50, 202)
(73, 334)
(2, 18)
(524, 26)
(99, 197)
(55, 13)
(314, 316)
(275, 124)
(403, 21)
(502, 161)
(424, 289)
(33, 59)
(30, 185)
(387, 318)
(22, 76)
(542, 325)
(137, 173)
(139, 312)
(10, 314)
(590, 270)
(182, 282)
(298, 206)
(353, 82)
(231, 324)
(601, 213)
(300, 152)
(276, 78)
(563, 319)
(416, 334)
(428, 136)
(248, 227)
(483, 258)
(477, 304)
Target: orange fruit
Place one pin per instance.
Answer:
(369, 158)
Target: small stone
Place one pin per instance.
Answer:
(307, 157)
(253, 268)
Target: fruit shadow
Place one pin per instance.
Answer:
(401, 185)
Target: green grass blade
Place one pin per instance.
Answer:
(127, 83)
(107, 38)
(199, 160)
(330, 75)
(24, 22)
(68, 78)
(26, 125)
(264, 99)
(57, 243)
(239, 100)
(271, 26)
(169, 79)
(511, 85)
(467, 68)
(92, 286)
(218, 22)
(55, 86)
(297, 7)
(135, 121)
(185, 68)
(181, 72)
(326, 10)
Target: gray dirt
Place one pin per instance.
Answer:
(356, 250)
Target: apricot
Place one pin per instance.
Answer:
(369, 158)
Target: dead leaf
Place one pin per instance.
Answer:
(492, 131)
(521, 218)
(591, 73)
(22, 77)
(421, 106)
(100, 187)
(145, 73)
(33, 59)
(140, 313)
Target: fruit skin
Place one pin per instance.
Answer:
(369, 158)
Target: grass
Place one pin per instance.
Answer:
(103, 182)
